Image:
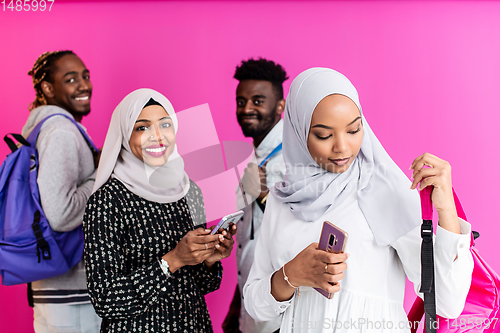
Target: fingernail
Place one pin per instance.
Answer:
(221, 238)
(348, 255)
(217, 246)
(207, 230)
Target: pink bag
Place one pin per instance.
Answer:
(481, 312)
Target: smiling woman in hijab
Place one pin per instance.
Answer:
(149, 257)
(338, 171)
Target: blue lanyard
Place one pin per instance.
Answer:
(275, 150)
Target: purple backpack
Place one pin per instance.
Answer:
(29, 249)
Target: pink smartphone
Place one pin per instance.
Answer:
(332, 239)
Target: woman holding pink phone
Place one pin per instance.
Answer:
(338, 171)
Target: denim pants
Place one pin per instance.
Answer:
(67, 318)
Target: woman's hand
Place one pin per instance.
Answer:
(224, 247)
(437, 174)
(194, 248)
(310, 268)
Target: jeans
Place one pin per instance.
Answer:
(59, 318)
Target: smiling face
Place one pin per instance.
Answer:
(153, 137)
(257, 108)
(335, 134)
(70, 88)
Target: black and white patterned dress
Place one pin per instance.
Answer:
(125, 236)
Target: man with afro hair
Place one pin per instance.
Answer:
(259, 105)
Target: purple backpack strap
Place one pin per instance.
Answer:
(34, 133)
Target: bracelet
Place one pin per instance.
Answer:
(264, 198)
(165, 268)
(288, 281)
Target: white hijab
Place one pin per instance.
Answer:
(168, 183)
(389, 206)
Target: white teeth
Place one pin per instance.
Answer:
(82, 98)
(156, 150)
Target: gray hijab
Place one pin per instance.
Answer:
(165, 184)
(389, 206)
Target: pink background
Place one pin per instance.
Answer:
(428, 75)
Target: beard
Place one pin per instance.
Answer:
(264, 124)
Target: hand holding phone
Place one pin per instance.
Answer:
(227, 220)
(225, 246)
(334, 240)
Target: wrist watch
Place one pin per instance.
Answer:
(164, 267)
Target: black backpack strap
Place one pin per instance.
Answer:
(42, 247)
(427, 280)
(12, 145)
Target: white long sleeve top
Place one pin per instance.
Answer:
(372, 290)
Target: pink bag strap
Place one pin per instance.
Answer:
(427, 210)
(418, 308)
(458, 205)
(426, 203)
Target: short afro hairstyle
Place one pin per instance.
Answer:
(262, 69)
